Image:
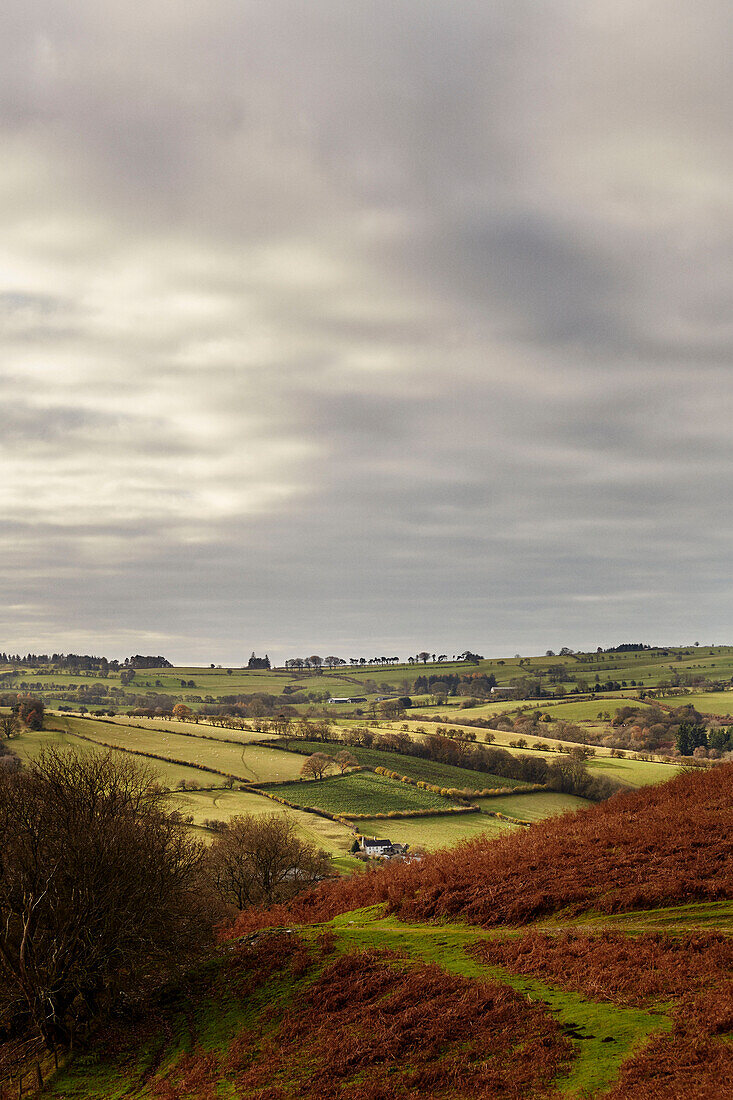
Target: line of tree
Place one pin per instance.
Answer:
(452, 683)
(75, 662)
(568, 773)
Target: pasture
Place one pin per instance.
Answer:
(436, 832)
(533, 807)
(360, 793)
(248, 762)
(223, 805)
(717, 703)
(633, 773)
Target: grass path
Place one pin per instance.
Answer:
(604, 1034)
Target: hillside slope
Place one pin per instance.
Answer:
(657, 846)
(604, 968)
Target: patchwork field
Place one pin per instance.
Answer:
(360, 793)
(217, 804)
(250, 763)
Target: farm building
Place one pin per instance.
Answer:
(378, 846)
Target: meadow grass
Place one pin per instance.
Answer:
(250, 763)
(718, 703)
(633, 773)
(360, 793)
(533, 807)
(223, 805)
(431, 833)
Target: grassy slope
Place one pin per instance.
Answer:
(533, 807)
(198, 1035)
(250, 763)
(435, 832)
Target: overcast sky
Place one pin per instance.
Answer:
(353, 327)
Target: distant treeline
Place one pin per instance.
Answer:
(81, 661)
(628, 647)
(452, 684)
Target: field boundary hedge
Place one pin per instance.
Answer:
(459, 792)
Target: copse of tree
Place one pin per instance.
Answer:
(30, 711)
(690, 736)
(258, 662)
(139, 661)
(261, 859)
(98, 888)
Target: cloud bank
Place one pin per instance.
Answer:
(346, 328)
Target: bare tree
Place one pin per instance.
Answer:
(261, 859)
(345, 760)
(316, 766)
(9, 725)
(97, 883)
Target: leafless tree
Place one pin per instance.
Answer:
(97, 883)
(345, 760)
(261, 859)
(9, 725)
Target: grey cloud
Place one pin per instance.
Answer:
(328, 324)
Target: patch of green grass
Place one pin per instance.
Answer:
(360, 793)
(604, 1034)
(712, 915)
(435, 832)
(632, 773)
(711, 702)
(533, 807)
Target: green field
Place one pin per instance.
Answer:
(533, 807)
(719, 703)
(360, 793)
(441, 775)
(222, 805)
(250, 763)
(31, 743)
(435, 832)
(632, 773)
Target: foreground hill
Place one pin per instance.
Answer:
(659, 846)
(592, 958)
